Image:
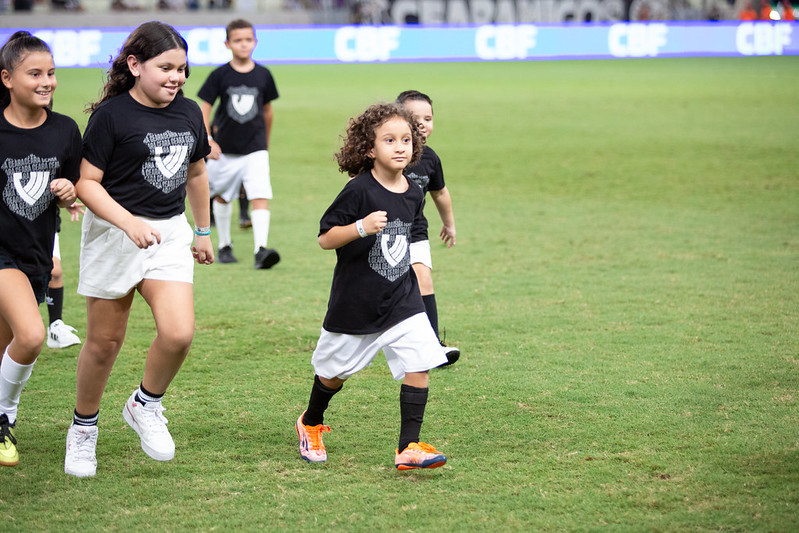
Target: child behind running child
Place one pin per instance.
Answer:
(241, 127)
(143, 154)
(429, 175)
(39, 162)
(375, 301)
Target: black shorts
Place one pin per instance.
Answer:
(38, 282)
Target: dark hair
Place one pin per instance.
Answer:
(149, 40)
(238, 24)
(14, 51)
(404, 96)
(352, 158)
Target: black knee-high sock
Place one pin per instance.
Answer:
(432, 310)
(55, 303)
(412, 403)
(317, 404)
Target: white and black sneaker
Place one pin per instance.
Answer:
(80, 459)
(149, 422)
(60, 335)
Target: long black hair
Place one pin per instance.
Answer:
(149, 40)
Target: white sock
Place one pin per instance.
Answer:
(13, 377)
(260, 227)
(223, 214)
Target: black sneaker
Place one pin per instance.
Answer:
(266, 258)
(225, 255)
(452, 353)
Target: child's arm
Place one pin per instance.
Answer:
(96, 198)
(443, 203)
(338, 236)
(197, 193)
(206, 109)
(268, 114)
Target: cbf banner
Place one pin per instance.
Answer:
(94, 47)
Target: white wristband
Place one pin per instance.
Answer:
(359, 227)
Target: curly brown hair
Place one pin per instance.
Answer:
(352, 158)
(149, 40)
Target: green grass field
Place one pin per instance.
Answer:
(624, 290)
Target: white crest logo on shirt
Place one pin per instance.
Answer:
(170, 161)
(396, 252)
(27, 190)
(168, 164)
(242, 103)
(390, 256)
(33, 189)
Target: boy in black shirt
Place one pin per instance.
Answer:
(239, 139)
(375, 301)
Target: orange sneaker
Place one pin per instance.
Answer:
(419, 455)
(312, 449)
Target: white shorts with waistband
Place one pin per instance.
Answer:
(410, 346)
(227, 174)
(111, 264)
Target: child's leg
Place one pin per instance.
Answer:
(244, 209)
(413, 400)
(260, 222)
(55, 292)
(322, 391)
(223, 214)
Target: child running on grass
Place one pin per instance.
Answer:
(143, 154)
(429, 175)
(39, 163)
(241, 127)
(375, 301)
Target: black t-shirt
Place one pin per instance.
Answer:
(374, 287)
(29, 160)
(144, 152)
(427, 173)
(239, 126)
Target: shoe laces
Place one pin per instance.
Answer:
(83, 444)
(5, 430)
(154, 416)
(315, 435)
(422, 447)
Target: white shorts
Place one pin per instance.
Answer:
(410, 346)
(111, 264)
(227, 174)
(420, 253)
(56, 247)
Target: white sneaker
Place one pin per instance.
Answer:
(60, 335)
(80, 459)
(149, 422)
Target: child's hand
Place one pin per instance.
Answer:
(203, 250)
(75, 211)
(64, 190)
(375, 222)
(448, 235)
(216, 151)
(142, 234)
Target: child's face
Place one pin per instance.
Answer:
(422, 114)
(32, 82)
(159, 79)
(393, 147)
(241, 42)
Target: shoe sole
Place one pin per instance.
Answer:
(80, 474)
(417, 467)
(9, 463)
(55, 346)
(158, 456)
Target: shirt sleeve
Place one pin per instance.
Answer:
(98, 139)
(210, 90)
(343, 211)
(72, 164)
